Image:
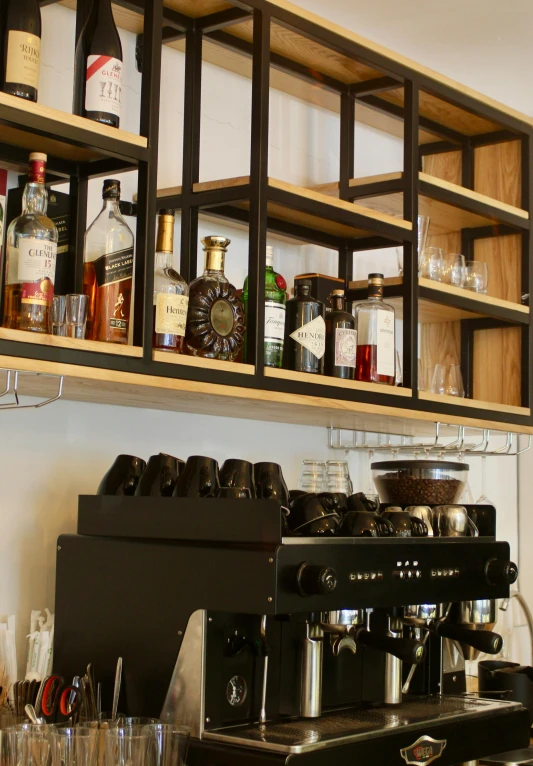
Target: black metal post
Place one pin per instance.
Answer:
(468, 165)
(467, 357)
(347, 141)
(410, 248)
(78, 226)
(191, 153)
(527, 271)
(258, 192)
(147, 184)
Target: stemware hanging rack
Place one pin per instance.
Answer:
(469, 442)
(12, 387)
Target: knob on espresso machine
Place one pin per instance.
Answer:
(500, 572)
(313, 580)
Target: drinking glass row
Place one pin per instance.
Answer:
(450, 268)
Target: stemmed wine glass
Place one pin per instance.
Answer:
(483, 499)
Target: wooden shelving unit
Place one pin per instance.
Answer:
(475, 186)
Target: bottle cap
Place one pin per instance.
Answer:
(304, 283)
(111, 189)
(37, 169)
(38, 156)
(269, 255)
(166, 211)
(339, 293)
(215, 242)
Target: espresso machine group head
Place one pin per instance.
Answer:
(278, 649)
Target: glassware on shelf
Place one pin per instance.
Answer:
(477, 276)
(399, 373)
(423, 228)
(57, 316)
(483, 499)
(76, 315)
(432, 262)
(313, 476)
(447, 380)
(425, 376)
(215, 321)
(338, 477)
(454, 270)
(376, 353)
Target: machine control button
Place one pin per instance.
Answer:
(409, 574)
(456, 573)
(315, 580)
(433, 572)
(418, 574)
(380, 575)
(500, 572)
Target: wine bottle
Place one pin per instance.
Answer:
(22, 49)
(98, 67)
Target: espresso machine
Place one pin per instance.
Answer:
(281, 649)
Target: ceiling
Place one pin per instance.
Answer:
(485, 44)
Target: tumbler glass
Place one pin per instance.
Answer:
(57, 316)
(423, 227)
(169, 744)
(454, 270)
(432, 264)
(26, 746)
(313, 476)
(126, 746)
(76, 315)
(338, 477)
(77, 746)
(447, 379)
(477, 276)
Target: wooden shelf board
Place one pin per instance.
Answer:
(207, 364)
(326, 380)
(436, 310)
(110, 387)
(53, 341)
(10, 106)
(458, 401)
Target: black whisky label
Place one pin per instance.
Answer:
(114, 267)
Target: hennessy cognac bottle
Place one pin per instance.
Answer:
(215, 320)
(170, 290)
(376, 355)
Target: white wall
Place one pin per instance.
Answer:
(49, 456)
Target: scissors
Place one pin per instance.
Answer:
(60, 703)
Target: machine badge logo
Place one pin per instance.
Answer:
(424, 751)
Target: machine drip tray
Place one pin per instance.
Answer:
(297, 735)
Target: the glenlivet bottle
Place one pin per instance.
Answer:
(22, 49)
(108, 270)
(305, 332)
(376, 355)
(31, 257)
(171, 291)
(341, 339)
(98, 67)
(275, 299)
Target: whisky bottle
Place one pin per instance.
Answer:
(275, 299)
(376, 356)
(108, 270)
(341, 339)
(215, 319)
(171, 292)
(31, 257)
(305, 332)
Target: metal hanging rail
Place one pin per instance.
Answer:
(16, 405)
(363, 441)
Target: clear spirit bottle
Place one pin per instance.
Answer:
(171, 292)
(275, 299)
(215, 320)
(376, 355)
(31, 257)
(108, 270)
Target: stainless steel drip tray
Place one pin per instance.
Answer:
(298, 735)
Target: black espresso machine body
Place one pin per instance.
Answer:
(275, 649)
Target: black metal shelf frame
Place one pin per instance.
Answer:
(162, 25)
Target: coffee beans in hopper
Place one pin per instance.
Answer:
(403, 489)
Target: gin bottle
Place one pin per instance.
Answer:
(31, 257)
(171, 292)
(376, 356)
(305, 332)
(275, 299)
(341, 339)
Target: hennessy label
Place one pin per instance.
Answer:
(274, 322)
(312, 336)
(37, 270)
(23, 58)
(385, 343)
(345, 347)
(171, 314)
(114, 267)
(103, 90)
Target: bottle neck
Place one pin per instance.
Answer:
(111, 204)
(337, 303)
(35, 198)
(214, 262)
(375, 293)
(303, 292)
(102, 9)
(163, 260)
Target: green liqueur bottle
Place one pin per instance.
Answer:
(275, 297)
